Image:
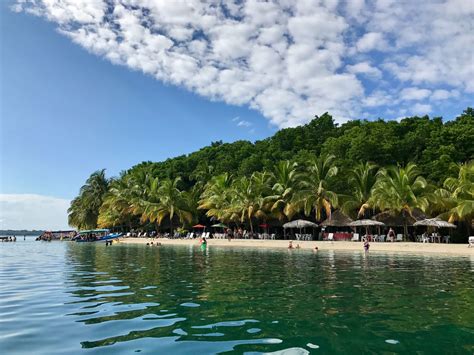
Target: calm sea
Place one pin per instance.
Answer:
(63, 297)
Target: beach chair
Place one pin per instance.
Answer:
(471, 241)
(272, 236)
(331, 237)
(381, 238)
(425, 239)
(399, 238)
(446, 239)
(355, 237)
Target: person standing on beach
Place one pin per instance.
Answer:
(391, 235)
(366, 246)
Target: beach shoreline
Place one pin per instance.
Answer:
(396, 247)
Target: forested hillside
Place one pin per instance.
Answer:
(425, 141)
(362, 167)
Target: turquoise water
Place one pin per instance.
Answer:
(63, 297)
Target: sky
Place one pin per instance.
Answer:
(92, 84)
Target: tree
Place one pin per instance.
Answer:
(362, 179)
(400, 190)
(84, 209)
(248, 201)
(286, 181)
(165, 200)
(316, 193)
(459, 193)
(216, 197)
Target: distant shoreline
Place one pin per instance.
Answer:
(400, 247)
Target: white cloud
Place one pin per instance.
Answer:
(287, 59)
(29, 211)
(366, 69)
(414, 94)
(421, 109)
(443, 94)
(378, 98)
(372, 41)
(244, 123)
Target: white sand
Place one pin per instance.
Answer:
(400, 247)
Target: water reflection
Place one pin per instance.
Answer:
(182, 299)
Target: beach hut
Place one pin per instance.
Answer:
(337, 219)
(399, 220)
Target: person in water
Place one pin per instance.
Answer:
(366, 245)
(290, 245)
(298, 246)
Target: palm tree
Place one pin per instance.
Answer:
(316, 193)
(249, 198)
(286, 180)
(118, 207)
(216, 197)
(362, 179)
(400, 190)
(458, 194)
(84, 209)
(165, 201)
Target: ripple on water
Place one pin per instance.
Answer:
(233, 323)
(80, 299)
(253, 330)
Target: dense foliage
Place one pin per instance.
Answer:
(362, 167)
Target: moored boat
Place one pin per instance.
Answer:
(96, 235)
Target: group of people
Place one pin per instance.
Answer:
(290, 246)
(9, 239)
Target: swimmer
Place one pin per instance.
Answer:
(290, 245)
(298, 246)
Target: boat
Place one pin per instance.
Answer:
(96, 235)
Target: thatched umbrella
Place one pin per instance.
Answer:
(435, 222)
(366, 223)
(299, 223)
(337, 219)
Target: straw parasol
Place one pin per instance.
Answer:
(337, 219)
(299, 223)
(366, 223)
(434, 222)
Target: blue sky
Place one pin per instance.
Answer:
(81, 93)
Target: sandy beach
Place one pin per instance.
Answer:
(419, 248)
